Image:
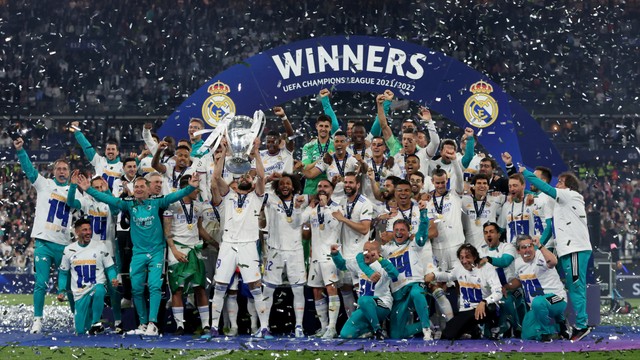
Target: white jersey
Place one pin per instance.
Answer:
(543, 211)
(325, 229)
(476, 213)
(241, 213)
(481, 283)
(448, 168)
(171, 178)
(349, 164)
(379, 289)
(504, 274)
(102, 221)
(358, 211)
(109, 172)
(87, 266)
(381, 174)
(280, 162)
(473, 168)
(412, 215)
(118, 189)
(144, 167)
(537, 278)
(407, 258)
(570, 223)
(446, 213)
(283, 222)
(53, 216)
(184, 224)
(517, 218)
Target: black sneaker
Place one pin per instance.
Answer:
(96, 329)
(579, 334)
(546, 338)
(379, 335)
(119, 329)
(179, 331)
(565, 333)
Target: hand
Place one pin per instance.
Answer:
(115, 283)
(336, 179)
(535, 240)
(256, 147)
(375, 277)
(148, 126)
(483, 261)
(468, 132)
(422, 204)
(521, 169)
(162, 145)
(335, 248)
(324, 93)
(297, 165)
(73, 126)
(180, 256)
(145, 153)
(506, 158)
(327, 158)
(322, 199)
(299, 201)
(83, 182)
(481, 312)
(62, 297)
(195, 180)
(388, 95)
(390, 162)
(424, 114)
(380, 100)
(133, 154)
(529, 200)
(18, 143)
(338, 215)
(359, 159)
(425, 197)
(429, 278)
(74, 176)
(371, 175)
(279, 112)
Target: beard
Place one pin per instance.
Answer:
(244, 186)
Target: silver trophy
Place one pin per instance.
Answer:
(241, 131)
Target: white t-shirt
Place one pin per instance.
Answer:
(408, 259)
(86, 265)
(53, 220)
(349, 164)
(171, 178)
(383, 173)
(570, 223)
(102, 222)
(379, 289)
(537, 279)
(473, 231)
(425, 166)
(109, 172)
(185, 228)
(280, 162)
(505, 274)
(323, 235)
(446, 213)
(481, 283)
(284, 234)
(241, 213)
(360, 210)
(517, 218)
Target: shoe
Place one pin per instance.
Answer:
(367, 335)
(96, 329)
(437, 335)
(565, 331)
(179, 331)
(119, 329)
(330, 333)
(254, 329)
(125, 303)
(263, 333)
(379, 335)
(152, 330)
(428, 335)
(299, 333)
(495, 333)
(320, 332)
(579, 334)
(209, 332)
(466, 336)
(546, 338)
(141, 330)
(36, 327)
(232, 332)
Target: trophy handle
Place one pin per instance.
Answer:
(256, 128)
(218, 134)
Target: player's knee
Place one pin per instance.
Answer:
(538, 304)
(366, 302)
(100, 290)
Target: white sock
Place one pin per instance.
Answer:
(443, 303)
(178, 315)
(261, 307)
(298, 303)
(321, 310)
(204, 315)
(334, 310)
(232, 310)
(217, 304)
(251, 308)
(349, 302)
(267, 295)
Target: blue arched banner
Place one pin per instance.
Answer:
(372, 64)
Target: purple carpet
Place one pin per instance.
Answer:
(604, 338)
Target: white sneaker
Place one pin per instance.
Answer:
(152, 330)
(36, 327)
(320, 332)
(232, 332)
(330, 333)
(141, 330)
(125, 303)
(299, 332)
(428, 336)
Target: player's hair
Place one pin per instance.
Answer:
(545, 173)
(374, 242)
(339, 133)
(354, 174)
(273, 133)
(357, 123)
(199, 121)
(146, 182)
(183, 147)
(418, 173)
(517, 176)
(80, 222)
(438, 171)
(410, 131)
(405, 222)
(491, 223)
(155, 136)
(127, 160)
(323, 118)
(97, 177)
(494, 164)
(470, 248)
(477, 177)
(295, 183)
(412, 156)
(450, 142)
(394, 179)
(570, 180)
(381, 138)
(61, 160)
(330, 183)
(522, 237)
(403, 182)
(148, 176)
(112, 142)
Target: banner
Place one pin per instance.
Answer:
(372, 64)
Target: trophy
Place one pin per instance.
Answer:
(241, 131)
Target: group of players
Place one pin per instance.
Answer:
(394, 224)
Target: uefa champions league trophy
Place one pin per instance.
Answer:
(241, 131)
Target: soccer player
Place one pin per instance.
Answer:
(374, 293)
(51, 225)
(323, 273)
(572, 241)
(517, 214)
(544, 292)
(183, 231)
(284, 244)
(478, 209)
(108, 166)
(171, 173)
(90, 265)
(148, 244)
(480, 291)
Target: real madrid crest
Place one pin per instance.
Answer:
(481, 109)
(218, 104)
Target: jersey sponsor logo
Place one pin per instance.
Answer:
(216, 106)
(481, 109)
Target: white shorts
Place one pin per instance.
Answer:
(348, 277)
(322, 274)
(241, 255)
(290, 262)
(447, 258)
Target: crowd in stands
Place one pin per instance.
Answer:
(69, 56)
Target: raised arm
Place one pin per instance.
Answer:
(86, 146)
(458, 183)
(259, 168)
(287, 126)
(71, 195)
(25, 162)
(167, 200)
(337, 258)
(328, 110)
(375, 127)
(155, 162)
(221, 185)
(543, 186)
(469, 150)
(100, 196)
(151, 143)
(382, 118)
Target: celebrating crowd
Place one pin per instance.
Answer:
(380, 223)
